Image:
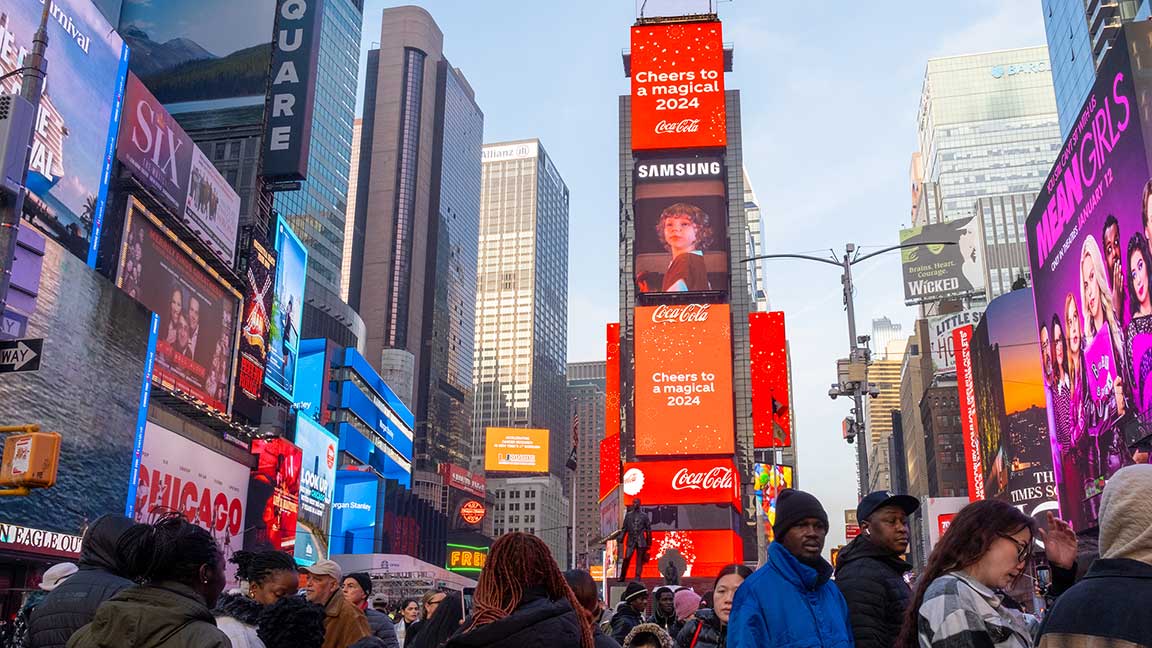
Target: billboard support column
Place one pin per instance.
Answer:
(12, 205)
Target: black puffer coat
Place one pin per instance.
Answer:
(704, 630)
(73, 605)
(871, 579)
(538, 623)
(624, 620)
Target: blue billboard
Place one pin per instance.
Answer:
(354, 512)
(74, 144)
(310, 395)
(317, 489)
(287, 311)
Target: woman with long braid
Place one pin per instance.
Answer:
(522, 599)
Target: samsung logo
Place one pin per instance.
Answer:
(678, 169)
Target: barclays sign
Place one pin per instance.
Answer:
(1001, 71)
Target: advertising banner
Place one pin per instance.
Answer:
(197, 310)
(166, 161)
(516, 450)
(973, 454)
(88, 388)
(1088, 245)
(677, 75)
(700, 481)
(461, 479)
(954, 267)
(1011, 404)
(317, 487)
(354, 512)
(610, 469)
(940, 329)
(767, 482)
(681, 218)
(273, 495)
(684, 380)
(771, 401)
(288, 126)
(247, 399)
(287, 311)
(705, 551)
(178, 474)
(183, 58)
(611, 512)
(75, 137)
(938, 513)
(466, 559)
(612, 383)
(311, 392)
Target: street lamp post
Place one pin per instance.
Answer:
(857, 355)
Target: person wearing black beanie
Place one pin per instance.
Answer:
(792, 595)
(630, 611)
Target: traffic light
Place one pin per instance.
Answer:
(30, 460)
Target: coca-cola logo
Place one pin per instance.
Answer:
(682, 126)
(686, 313)
(717, 478)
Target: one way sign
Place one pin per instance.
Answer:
(20, 355)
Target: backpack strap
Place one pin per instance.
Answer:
(696, 635)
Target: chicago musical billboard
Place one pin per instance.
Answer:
(677, 75)
(684, 380)
(681, 221)
(1088, 243)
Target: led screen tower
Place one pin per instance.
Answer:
(685, 386)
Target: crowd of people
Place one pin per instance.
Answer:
(163, 584)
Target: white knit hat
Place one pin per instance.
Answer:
(1126, 515)
(56, 575)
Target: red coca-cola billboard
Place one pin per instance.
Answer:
(703, 481)
(609, 464)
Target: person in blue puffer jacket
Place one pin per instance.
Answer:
(790, 602)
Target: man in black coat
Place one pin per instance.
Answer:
(870, 570)
(630, 611)
(101, 575)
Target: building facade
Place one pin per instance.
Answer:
(987, 126)
(418, 192)
(522, 299)
(884, 373)
(1005, 242)
(944, 440)
(535, 505)
(1079, 33)
(587, 394)
(350, 211)
(754, 246)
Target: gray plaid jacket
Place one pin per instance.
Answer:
(960, 612)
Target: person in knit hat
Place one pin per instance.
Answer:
(1110, 605)
(630, 611)
(790, 598)
(687, 603)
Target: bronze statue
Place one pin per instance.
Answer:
(636, 536)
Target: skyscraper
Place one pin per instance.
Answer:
(1005, 242)
(1079, 33)
(418, 202)
(522, 297)
(350, 212)
(884, 373)
(884, 330)
(587, 392)
(987, 126)
(522, 317)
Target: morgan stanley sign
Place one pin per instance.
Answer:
(289, 125)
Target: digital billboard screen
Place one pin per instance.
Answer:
(612, 381)
(681, 221)
(771, 401)
(273, 495)
(684, 380)
(609, 464)
(72, 147)
(317, 487)
(88, 387)
(1088, 239)
(354, 512)
(705, 551)
(248, 400)
(1011, 404)
(767, 482)
(969, 423)
(165, 160)
(197, 309)
(952, 267)
(677, 73)
(287, 311)
(178, 474)
(700, 481)
(516, 450)
(183, 58)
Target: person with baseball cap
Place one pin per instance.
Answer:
(344, 625)
(790, 600)
(870, 570)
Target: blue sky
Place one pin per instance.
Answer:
(829, 98)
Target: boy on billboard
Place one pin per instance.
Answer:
(685, 231)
